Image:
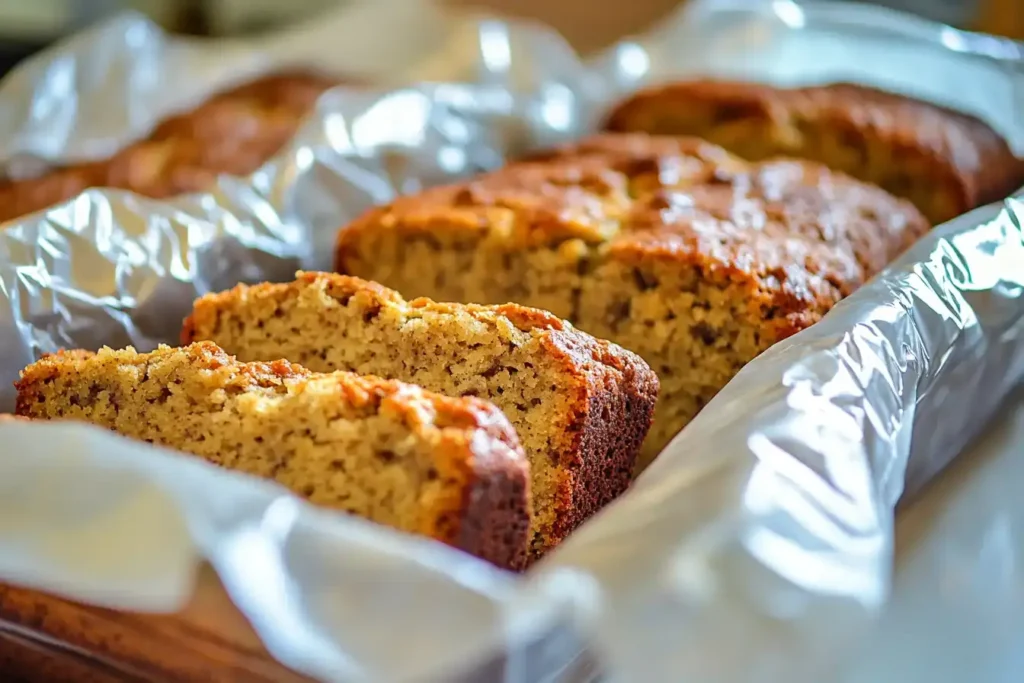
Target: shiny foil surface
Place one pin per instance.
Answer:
(759, 545)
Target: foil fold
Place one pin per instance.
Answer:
(757, 547)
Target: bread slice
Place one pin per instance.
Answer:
(943, 161)
(692, 258)
(580, 406)
(450, 469)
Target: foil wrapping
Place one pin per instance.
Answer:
(759, 545)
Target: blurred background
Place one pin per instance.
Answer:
(28, 25)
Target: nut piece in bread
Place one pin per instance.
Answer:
(581, 407)
(671, 247)
(450, 469)
(945, 162)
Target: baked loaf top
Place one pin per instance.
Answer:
(799, 235)
(580, 406)
(448, 468)
(945, 161)
(234, 133)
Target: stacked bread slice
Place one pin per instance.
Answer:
(449, 469)
(284, 382)
(580, 406)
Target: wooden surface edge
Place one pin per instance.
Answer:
(47, 639)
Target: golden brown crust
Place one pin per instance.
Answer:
(798, 236)
(234, 133)
(203, 357)
(418, 407)
(611, 392)
(480, 449)
(876, 136)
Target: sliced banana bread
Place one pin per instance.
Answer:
(943, 161)
(580, 406)
(450, 469)
(671, 247)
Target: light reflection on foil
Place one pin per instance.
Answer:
(790, 13)
(396, 119)
(495, 51)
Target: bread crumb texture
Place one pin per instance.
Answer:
(580, 406)
(671, 247)
(450, 469)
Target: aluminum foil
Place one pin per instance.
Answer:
(759, 545)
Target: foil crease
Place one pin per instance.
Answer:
(759, 545)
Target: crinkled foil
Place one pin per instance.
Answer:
(759, 545)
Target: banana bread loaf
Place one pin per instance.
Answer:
(690, 257)
(581, 407)
(451, 469)
(233, 133)
(945, 162)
